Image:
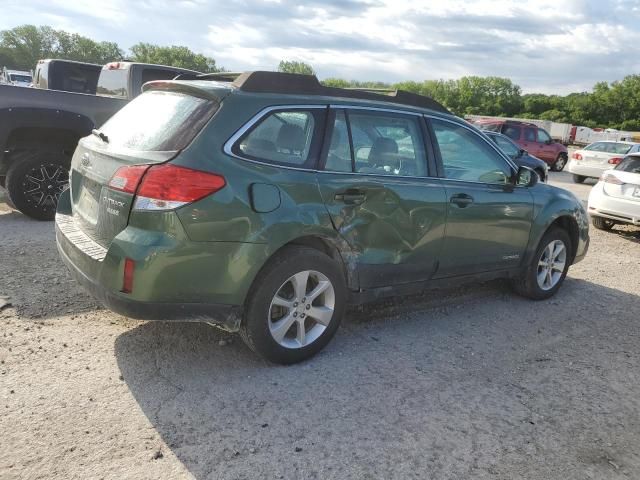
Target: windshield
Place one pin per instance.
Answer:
(158, 121)
(629, 164)
(20, 78)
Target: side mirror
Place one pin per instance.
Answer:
(522, 152)
(549, 142)
(526, 177)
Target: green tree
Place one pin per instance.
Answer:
(292, 66)
(22, 47)
(175, 56)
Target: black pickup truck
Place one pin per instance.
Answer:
(39, 131)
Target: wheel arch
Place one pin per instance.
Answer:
(569, 224)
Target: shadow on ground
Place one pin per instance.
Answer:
(476, 383)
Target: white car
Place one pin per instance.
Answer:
(616, 196)
(594, 159)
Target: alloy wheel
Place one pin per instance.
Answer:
(301, 309)
(551, 264)
(44, 184)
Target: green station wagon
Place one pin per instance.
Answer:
(266, 203)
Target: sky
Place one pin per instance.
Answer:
(546, 46)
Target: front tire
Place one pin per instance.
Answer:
(548, 268)
(602, 223)
(295, 306)
(35, 181)
(578, 178)
(560, 162)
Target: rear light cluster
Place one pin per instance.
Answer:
(166, 186)
(615, 160)
(611, 178)
(576, 156)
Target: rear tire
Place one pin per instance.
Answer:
(602, 223)
(279, 322)
(548, 267)
(579, 178)
(35, 181)
(560, 162)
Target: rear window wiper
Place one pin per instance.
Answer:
(100, 135)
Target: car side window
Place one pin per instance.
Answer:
(468, 157)
(529, 134)
(596, 147)
(543, 136)
(282, 137)
(512, 132)
(387, 143)
(339, 154)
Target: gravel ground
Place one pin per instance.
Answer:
(473, 382)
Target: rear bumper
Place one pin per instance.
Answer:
(174, 278)
(226, 316)
(585, 170)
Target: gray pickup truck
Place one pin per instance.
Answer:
(39, 131)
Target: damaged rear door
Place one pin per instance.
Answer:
(374, 180)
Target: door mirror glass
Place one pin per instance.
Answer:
(526, 177)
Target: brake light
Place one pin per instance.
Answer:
(576, 156)
(127, 277)
(126, 179)
(610, 178)
(615, 160)
(167, 186)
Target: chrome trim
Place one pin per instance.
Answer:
(67, 226)
(492, 144)
(228, 145)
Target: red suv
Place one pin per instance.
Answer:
(533, 139)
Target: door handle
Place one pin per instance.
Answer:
(351, 197)
(462, 200)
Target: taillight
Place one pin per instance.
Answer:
(615, 160)
(167, 186)
(576, 156)
(610, 178)
(126, 179)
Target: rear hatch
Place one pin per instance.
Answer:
(108, 165)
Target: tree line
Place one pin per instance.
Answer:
(608, 105)
(23, 46)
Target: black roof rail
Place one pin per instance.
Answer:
(294, 83)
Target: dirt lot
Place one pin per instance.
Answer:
(468, 383)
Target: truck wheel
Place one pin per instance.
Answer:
(295, 305)
(548, 268)
(35, 181)
(560, 162)
(579, 178)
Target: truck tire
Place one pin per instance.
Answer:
(35, 181)
(560, 162)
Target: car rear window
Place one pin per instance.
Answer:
(158, 121)
(112, 82)
(629, 164)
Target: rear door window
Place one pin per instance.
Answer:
(530, 135)
(285, 137)
(387, 144)
(158, 121)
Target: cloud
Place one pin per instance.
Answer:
(547, 45)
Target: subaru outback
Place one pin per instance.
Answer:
(267, 203)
